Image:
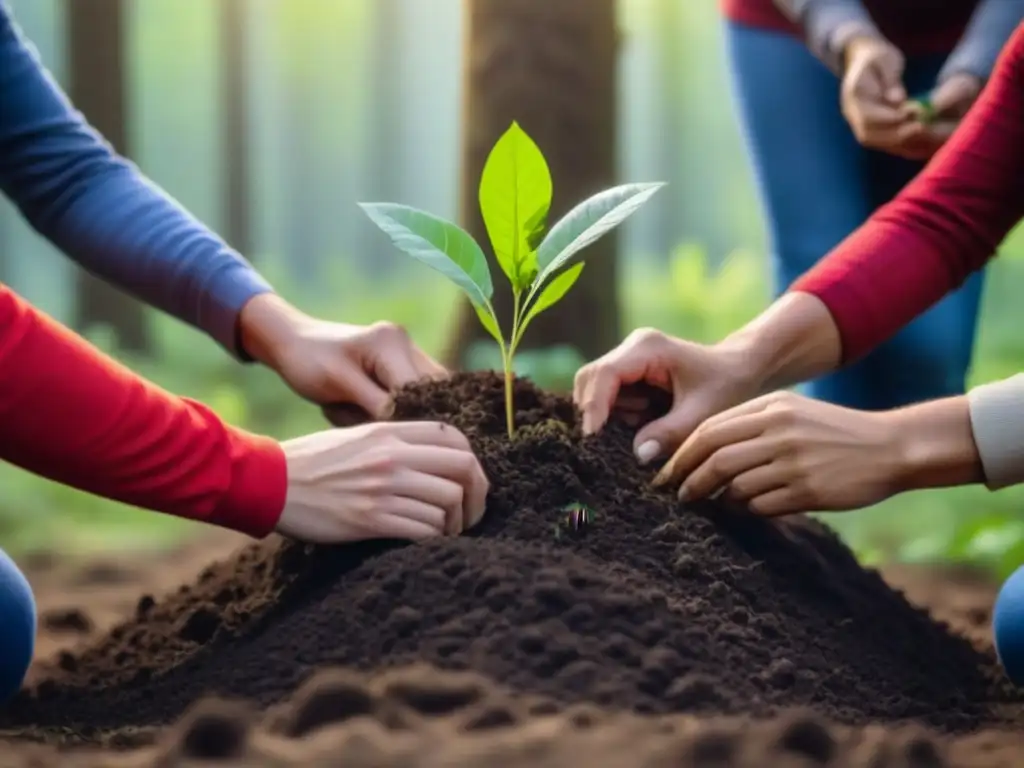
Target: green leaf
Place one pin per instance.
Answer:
(535, 226)
(553, 293)
(489, 322)
(515, 196)
(587, 222)
(439, 244)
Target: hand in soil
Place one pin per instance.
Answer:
(400, 480)
(783, 453)
(702, 381)
(334, 363)
(872, 95)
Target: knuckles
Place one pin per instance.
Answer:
(385, 331)
(642, 341)
(646, 338)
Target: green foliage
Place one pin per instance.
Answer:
(586, 223)
(443, 246)
(515, 197)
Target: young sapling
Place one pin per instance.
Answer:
(515, 198)
(923, 109)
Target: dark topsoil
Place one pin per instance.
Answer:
(655, 608)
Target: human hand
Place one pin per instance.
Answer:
(334, 363)
(872, 95)
(783, 453)
(937, 119)
(391, 480)
(702, 381)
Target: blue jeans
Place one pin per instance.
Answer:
(17, 627)
(1008, 626)
(817, 185)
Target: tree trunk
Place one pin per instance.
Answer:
(551, 66)
(234, 36)
(97, 87)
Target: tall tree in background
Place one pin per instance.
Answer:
(97, 86)
(234, 43)
(551, 66)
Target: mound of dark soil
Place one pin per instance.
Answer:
(654, 608)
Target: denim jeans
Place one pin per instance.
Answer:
(17, 627)
(1008, 626)
(817, 185)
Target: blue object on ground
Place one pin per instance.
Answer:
(17, 627)
(1008, 626)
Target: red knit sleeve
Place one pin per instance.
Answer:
(71, 414)
(944, 225)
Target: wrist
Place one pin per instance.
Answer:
(267, 326)
(792, 341)
(853, 39)
(934, 445)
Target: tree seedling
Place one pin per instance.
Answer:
(515, 198)
(576, 518)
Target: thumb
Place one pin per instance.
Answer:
(951, 94)
(896, 94)
(662, 436)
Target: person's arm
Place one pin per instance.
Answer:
(829, 25)
(71, 414)
(991, 25)
(101, 211)
(944, 225)
(977, 437)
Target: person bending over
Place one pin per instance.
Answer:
(822, 91)
(102, 212)
(779, 453)
(71, 414)
(68, 413)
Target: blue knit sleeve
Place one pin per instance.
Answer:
(828, 25)
(102, 212)
(991, 26)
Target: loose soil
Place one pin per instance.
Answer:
(707, 635)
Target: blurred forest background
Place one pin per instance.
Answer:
(270, 119)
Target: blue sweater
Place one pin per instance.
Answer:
(101, 211)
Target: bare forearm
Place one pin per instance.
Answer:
(937, 445)
(794, 340)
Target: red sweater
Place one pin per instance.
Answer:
(915, 26)
(944, 225)
(71, 414)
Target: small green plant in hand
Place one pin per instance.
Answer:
(515, 198)
(924, 110)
